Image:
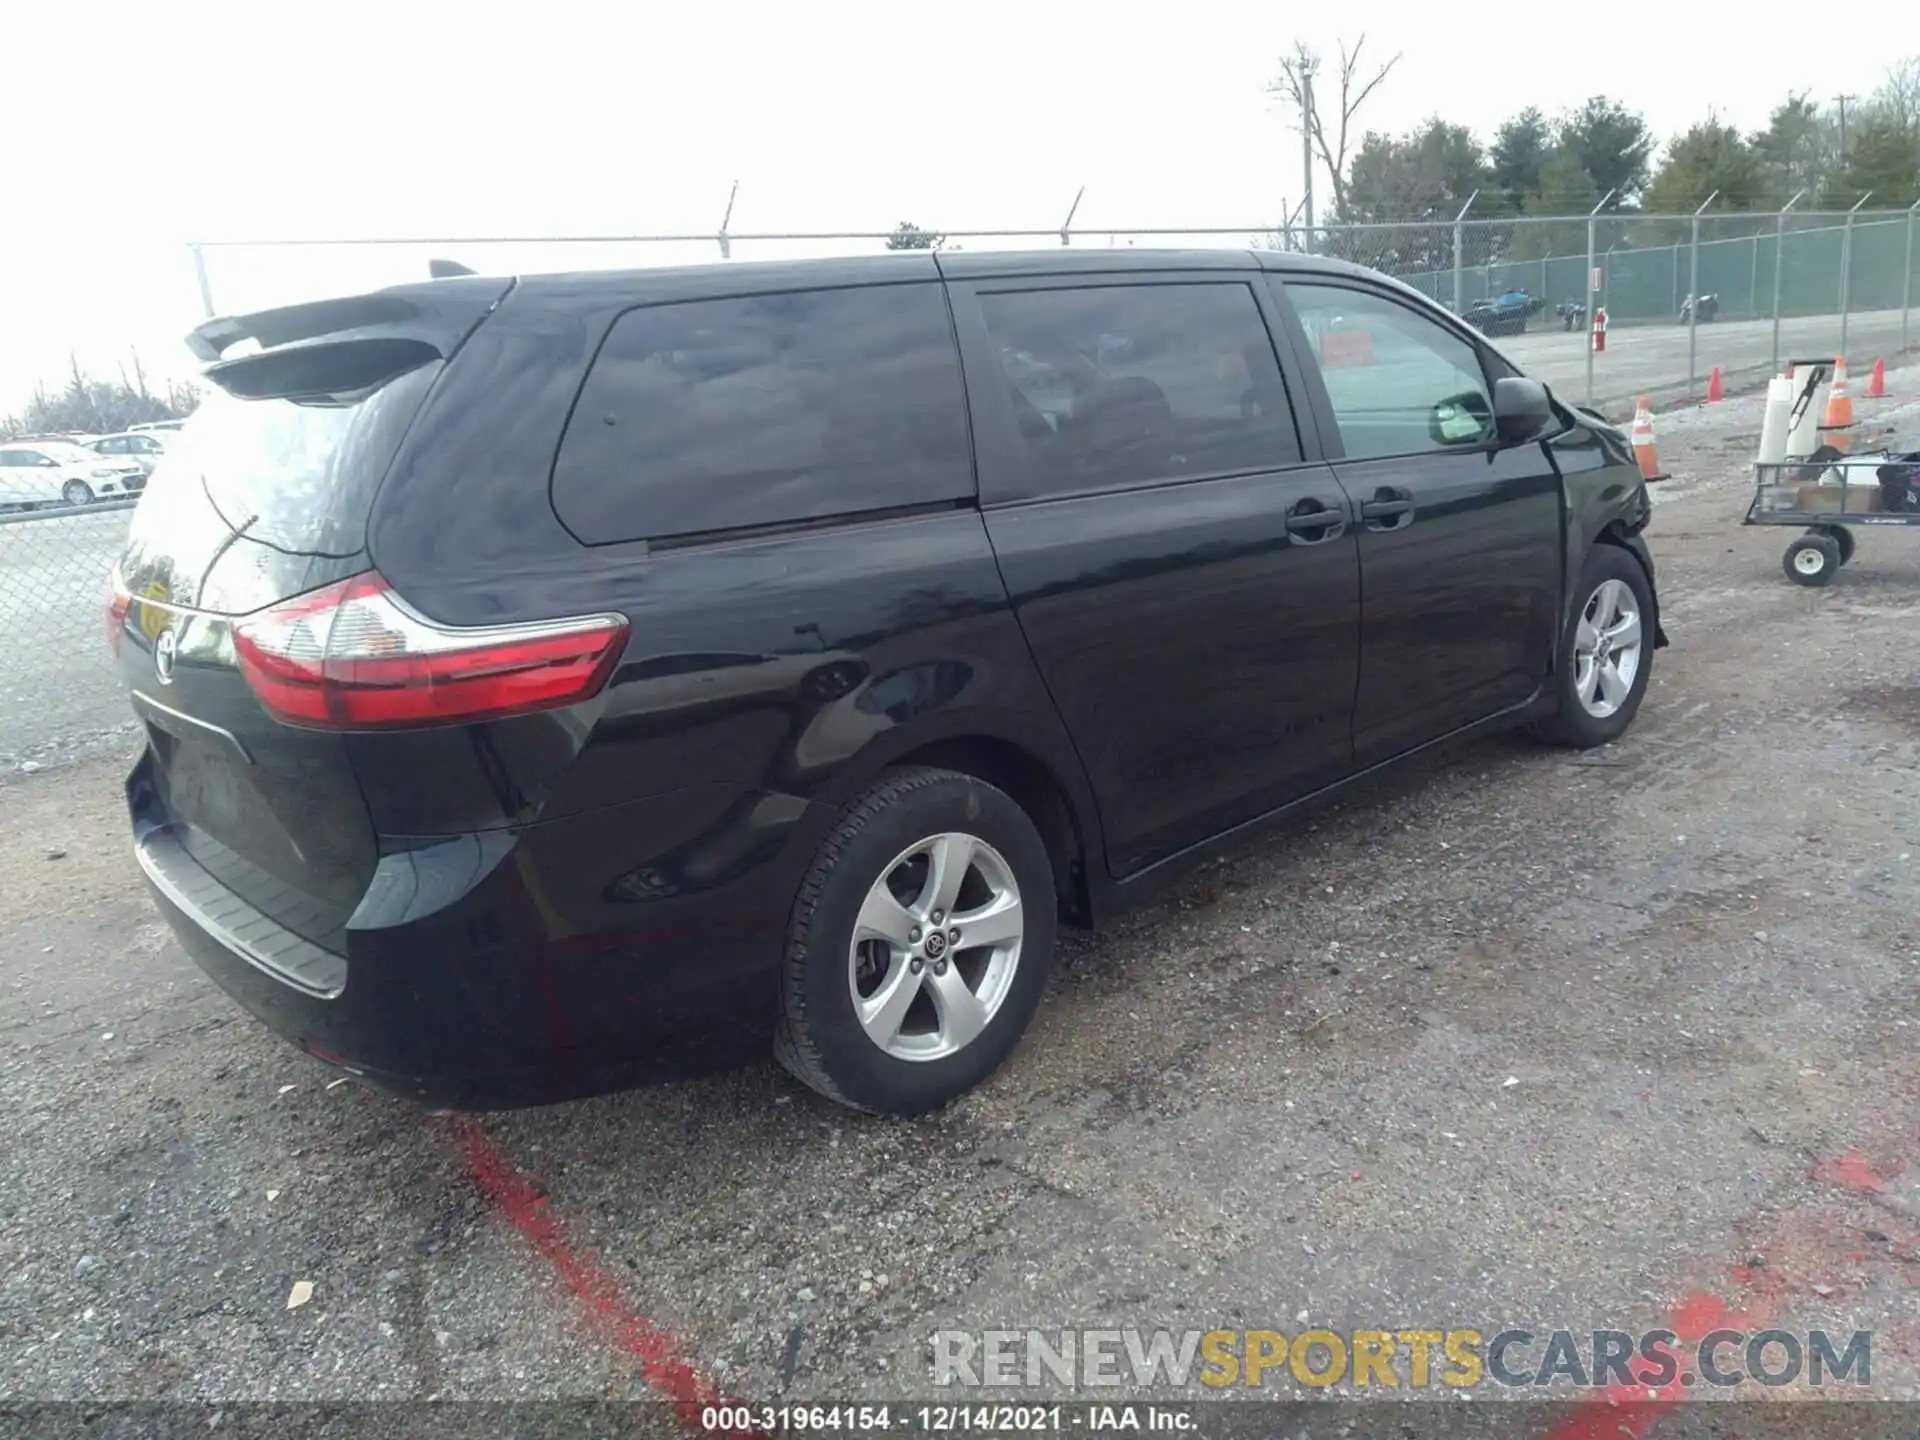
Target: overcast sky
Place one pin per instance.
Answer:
(136, 129)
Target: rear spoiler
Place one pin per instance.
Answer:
(356, 341)
(440, 314)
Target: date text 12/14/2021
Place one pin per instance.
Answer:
(1087, 1419)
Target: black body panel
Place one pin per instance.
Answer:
(564, 902)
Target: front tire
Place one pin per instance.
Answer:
(886, 1007)
(77, 492)
(1606, 653)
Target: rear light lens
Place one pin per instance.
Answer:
(119, 601)
(354, 657)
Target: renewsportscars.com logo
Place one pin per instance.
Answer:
(1394, 1359)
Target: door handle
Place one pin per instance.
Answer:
(1389, 509)
(1312, 521)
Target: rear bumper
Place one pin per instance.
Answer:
(233, 925)
(534, 977)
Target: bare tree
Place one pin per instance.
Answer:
(1898, 97)
(1329, 130)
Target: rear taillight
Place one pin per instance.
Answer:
(354, 657)
(119, 601)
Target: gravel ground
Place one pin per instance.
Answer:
(1516, 1037)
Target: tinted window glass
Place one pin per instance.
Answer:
(1399, 381)
(1125, 383)
(298, 475)
(718, 414)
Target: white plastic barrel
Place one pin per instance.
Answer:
(1774, 427)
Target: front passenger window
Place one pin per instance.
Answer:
(1398, 381)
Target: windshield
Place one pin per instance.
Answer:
(66, 452)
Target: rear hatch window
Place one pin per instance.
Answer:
(256, 500)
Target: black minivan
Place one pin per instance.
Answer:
(552, 682)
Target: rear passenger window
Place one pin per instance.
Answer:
(766, 410)
(1127, 383)
(1398, 381)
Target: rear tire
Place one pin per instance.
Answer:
(1600, 685)
(1843, 537)
(1812, 559)
(902, 1023)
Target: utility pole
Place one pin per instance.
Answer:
(1842, 100)
(1306, 146)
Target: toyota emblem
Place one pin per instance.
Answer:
(166, 650)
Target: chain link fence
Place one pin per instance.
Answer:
(1812, 282)
(58, 694)
(66, 494)
(1770, 287)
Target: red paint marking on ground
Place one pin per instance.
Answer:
(1852, 1171)
(655, 1347)
(1627, 1412)
(1698, 1316)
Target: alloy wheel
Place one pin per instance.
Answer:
(1607, 649)
(935, 947)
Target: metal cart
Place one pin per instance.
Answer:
(1827, 494)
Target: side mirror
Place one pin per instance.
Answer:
(1522, 410)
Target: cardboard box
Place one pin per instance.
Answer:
(1859, 498)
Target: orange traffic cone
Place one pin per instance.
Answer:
(1833, 431)
(1643, 447)
(1877, 384)
(1714, 390)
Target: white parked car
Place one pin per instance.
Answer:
(143, 447)
(58, 472)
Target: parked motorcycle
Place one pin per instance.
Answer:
(1709, 307)
(1572, 313)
